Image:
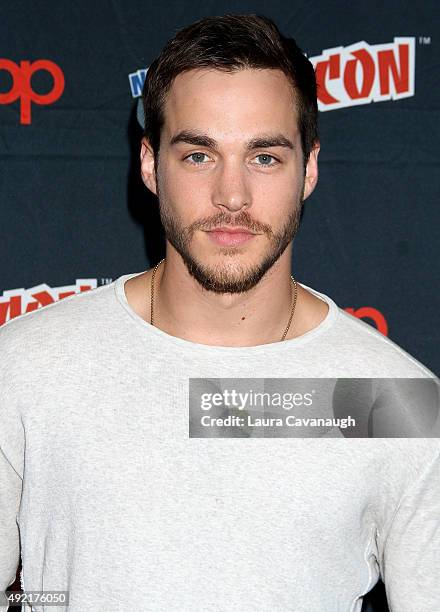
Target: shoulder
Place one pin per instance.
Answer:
(49, 329)
(351, 347)
(374, 352)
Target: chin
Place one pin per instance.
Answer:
(227, 271)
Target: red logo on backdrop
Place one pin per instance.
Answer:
(368, 312)
(21, 75)
(359, 73)
(362, 73)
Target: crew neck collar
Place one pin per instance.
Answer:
(176, 342)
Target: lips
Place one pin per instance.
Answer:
(230, 236)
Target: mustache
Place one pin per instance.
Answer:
(243, 219)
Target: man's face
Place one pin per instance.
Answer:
(230, 157)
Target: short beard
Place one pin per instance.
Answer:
(220, 280)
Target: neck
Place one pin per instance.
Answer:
(183, 308)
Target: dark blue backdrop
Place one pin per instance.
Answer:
(72, 204)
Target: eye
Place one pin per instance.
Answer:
(266, 158)
(195, 158)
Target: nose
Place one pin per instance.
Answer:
(231, 190)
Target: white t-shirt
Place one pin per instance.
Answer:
(115, 503)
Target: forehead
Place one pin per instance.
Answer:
(230, 103)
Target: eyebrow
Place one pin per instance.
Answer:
(263, 141)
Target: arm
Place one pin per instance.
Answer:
(10, 495)
(11, 469)
(410, 560)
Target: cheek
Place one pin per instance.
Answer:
(278, 197)
(184, 197)
(180, 185)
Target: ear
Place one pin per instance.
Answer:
(311, 178)
(147, 165)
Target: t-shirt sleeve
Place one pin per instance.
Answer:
(10, 495)
(410, 565)
(11, 469)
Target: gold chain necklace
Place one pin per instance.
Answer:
(295, 285)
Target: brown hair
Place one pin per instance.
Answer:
(231, 42)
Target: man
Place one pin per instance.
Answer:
(114, 500)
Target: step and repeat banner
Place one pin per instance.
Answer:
(74, 213)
